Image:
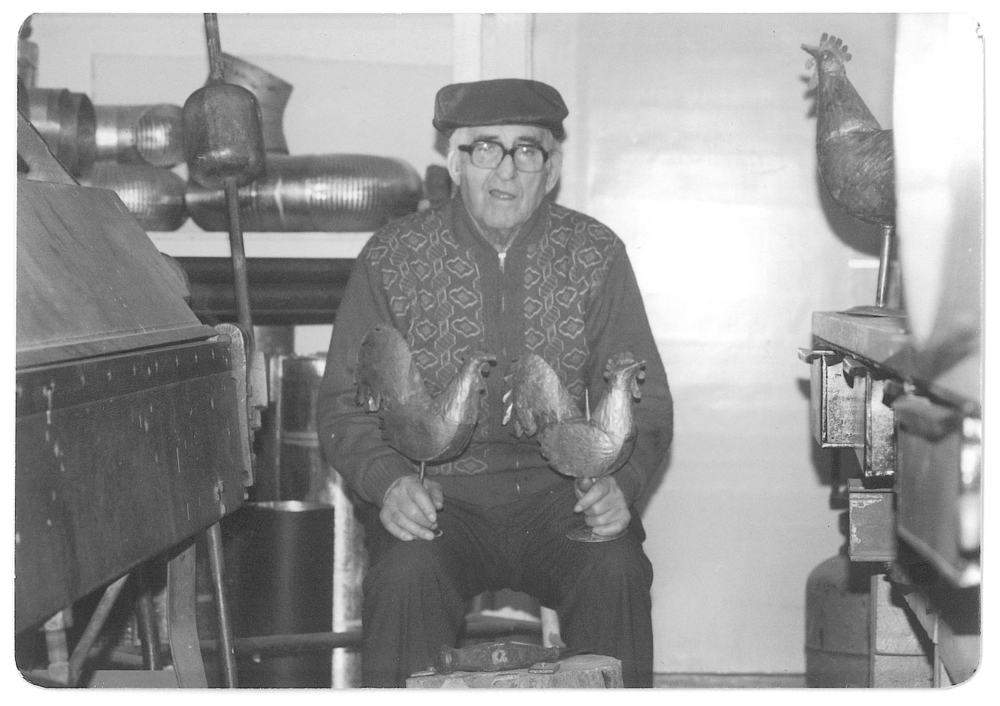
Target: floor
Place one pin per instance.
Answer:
(729, 681)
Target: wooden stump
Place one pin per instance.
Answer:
(579, 672)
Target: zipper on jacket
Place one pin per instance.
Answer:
(502, 256)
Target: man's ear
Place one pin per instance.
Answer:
(555, 169)
(455, 166)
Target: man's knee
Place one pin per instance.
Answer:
(619, 564)
(403, 563)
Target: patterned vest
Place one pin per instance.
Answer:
(443, 299)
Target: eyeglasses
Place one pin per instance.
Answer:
(488, 154)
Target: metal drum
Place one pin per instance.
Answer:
(290, 465)
(279, 580)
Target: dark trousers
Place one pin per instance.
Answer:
(416, 593)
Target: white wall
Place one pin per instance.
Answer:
(689, 135)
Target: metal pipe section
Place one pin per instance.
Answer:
(315, 193)
(140, 134)
(67, 123)
(153, 195)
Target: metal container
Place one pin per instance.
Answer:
(272, 96)
(315, 193)
(279, 580)
(67, 123)
(143, 134)
(290, 463)
(838, 633)
(153, 195)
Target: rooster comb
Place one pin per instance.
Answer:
(834, 44)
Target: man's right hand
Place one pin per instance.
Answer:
(409, 509)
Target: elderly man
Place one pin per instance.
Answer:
(499, 268)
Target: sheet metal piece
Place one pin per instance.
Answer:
(118, 459)
(89, 280)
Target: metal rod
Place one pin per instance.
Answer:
(218, 569)
(290, 644)
(883, 266)
(145, 614)
(82, 649)
(214, 47)
(239, 258)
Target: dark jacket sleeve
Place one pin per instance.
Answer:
(349, 436)
(618, 323)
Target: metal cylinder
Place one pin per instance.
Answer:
(322, 193)
(223, 137)
(838, 599)
(272, 95)
(67, 123)
(153, 195)
(140, 134)
(283, 291)
(279, 580)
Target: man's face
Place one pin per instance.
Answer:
(503, 198)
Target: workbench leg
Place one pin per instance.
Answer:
(182, 623)
(218, 569)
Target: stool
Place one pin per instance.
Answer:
(579, 672)
(495, 615)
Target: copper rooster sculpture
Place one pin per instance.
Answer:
(855, 154)
(425, 429)
(575, 444)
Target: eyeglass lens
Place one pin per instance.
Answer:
(488, 155)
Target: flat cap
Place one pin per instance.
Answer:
(501, 101)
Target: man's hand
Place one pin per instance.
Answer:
(604, 507)
(409, 509)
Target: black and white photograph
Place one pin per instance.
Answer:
(499, 347)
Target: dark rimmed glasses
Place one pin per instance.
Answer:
(488, 154)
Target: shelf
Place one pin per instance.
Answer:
(198, 243)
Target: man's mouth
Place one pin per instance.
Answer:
(502, 195)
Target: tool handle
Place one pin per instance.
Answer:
(493, 657)
(216, 74)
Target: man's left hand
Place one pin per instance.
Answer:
(604, 507)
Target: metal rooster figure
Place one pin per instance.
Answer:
(855, 155)
(425, 429)
(576, 444)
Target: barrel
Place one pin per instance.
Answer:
(279, 581)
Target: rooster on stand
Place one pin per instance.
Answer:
(583, 446)
(854, 153)
(425, 429)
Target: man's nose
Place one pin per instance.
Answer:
(506, 168)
